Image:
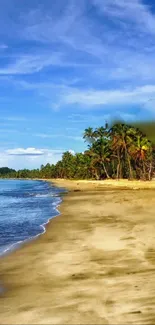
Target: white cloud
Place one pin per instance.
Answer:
(72, 27)
(69, 28)
(72, 151)
(25, 152)
(29, 64)
(46, 25)
(138, 95)
(60, 95)
(63, 95)
(26, 64)
(127, 65)
(19, 158)
(134, 11)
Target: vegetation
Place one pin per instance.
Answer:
(121, 151)
(5, 171)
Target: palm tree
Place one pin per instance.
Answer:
(89, 135)
(100, 132)
(101, 154)
(141, 151)
(121, 139)
(98, 150)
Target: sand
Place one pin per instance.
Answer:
(94, 265)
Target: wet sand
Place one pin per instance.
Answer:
(94, 265)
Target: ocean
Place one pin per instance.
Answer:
(26, 206)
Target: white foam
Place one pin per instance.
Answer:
(12, 247)
(43, 195)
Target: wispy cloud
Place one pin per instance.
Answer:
(65, 96)
(52, 24)
(27, 64)
(133, 11)
(70, 137)
(70, 28)
(138, 95)
(73, 38)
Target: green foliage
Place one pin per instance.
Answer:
(118, 151)
(5, 172)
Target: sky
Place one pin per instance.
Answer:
(66, 65)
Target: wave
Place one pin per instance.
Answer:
(44, 195)
(12, 247)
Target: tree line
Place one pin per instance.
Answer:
(120, 151)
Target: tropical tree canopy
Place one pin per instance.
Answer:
(119, 151)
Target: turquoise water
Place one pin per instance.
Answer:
(25, 208)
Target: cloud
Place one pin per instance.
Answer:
(128, 66)
(30, 64)
(70, 28)
(25, 152)
(76, 37)
(72, 151)
(133, 11)
(87, 98)
(45, 135)
(73, 27)
(30, 158)
(19, 158)
(27, 64)
(73, 35)
(52, 23)
(66, 96)
(33, 152)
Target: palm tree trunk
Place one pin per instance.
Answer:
(150, 170)
(144, 171)
(119, 171)
(105, 170)
(96, 175)
(118, 168)
(130, 168)
(129, 162)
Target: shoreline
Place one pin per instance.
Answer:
(18, 245)
(73, 184)
(94, 263)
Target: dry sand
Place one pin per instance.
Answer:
(94, 265)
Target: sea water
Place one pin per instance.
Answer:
(25, 208)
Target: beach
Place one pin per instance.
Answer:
(94, 265)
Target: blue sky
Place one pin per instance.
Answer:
(69, 64)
